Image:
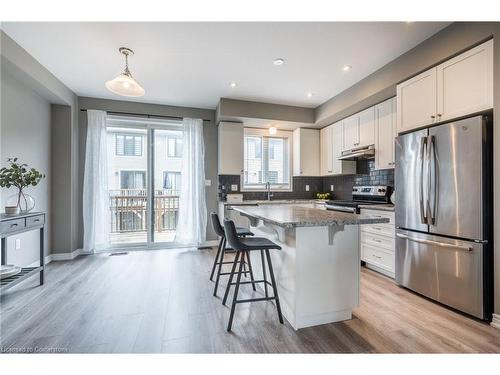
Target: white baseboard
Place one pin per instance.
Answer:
(211, 243)
(66, 256)
(48, 259)
(495, 322)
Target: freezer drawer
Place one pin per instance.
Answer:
(446, 270)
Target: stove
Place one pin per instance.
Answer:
(361, 195)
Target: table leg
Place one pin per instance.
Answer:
(42, 256)
(4, 250)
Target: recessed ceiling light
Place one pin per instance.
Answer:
(272, 130)
(278, 62)
(232, 84)
(346, 68)
(309, 94)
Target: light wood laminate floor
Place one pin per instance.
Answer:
(161, 301)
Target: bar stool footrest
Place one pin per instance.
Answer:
(256, 299)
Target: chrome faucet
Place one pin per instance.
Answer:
(268, 189)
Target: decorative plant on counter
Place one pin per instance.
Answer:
(20, 176)
(322, 195)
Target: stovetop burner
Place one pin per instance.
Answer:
(361, 195)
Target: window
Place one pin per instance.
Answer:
(172, 182)
(132, 179)
(128, 145)
(266, 159)
(174, 147)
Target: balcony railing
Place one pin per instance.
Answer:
(129, 210)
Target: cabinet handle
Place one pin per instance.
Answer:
(433, 117)
(439, 114)
(376, 256)
(13, 225)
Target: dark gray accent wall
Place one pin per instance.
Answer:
(17, 64)
(25, 134)
(209, 133)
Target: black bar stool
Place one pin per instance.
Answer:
(222, 250)
(243, 246)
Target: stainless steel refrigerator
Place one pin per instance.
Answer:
(444, 214)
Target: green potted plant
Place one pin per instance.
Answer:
(19, 176)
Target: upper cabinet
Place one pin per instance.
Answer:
(460, 86)
(359, 129)
(306, 152)
(332, 138)
(465, 83)
(385, 132)
(230, 150)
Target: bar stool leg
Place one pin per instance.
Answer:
(223, 253)
(231, 277)
(236, 289)
(250, 270)
(264, 272)
(275, 289)
(216, 260)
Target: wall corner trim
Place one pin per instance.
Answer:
(495, 321)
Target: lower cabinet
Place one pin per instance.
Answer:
(377, 242)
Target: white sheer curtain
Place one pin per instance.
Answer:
(192, 221)
(95, 185)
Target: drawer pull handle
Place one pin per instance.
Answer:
(376, 256)
(37, 220)
(373, 239)
(13, 225)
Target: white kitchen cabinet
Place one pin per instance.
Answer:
(340, 166)
(230, 150)
(465, 83)
(460, 86)
(366, 127)
(326, 156)
(306, 152)
(385, 132)
(416, 101)
(351, 132)
(378, 242)
(331, 147)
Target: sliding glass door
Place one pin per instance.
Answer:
(144, 174)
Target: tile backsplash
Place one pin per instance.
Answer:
(367, 175)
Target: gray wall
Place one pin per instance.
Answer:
(381, 85)
(25, 133)
(210, 136)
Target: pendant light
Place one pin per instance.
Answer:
(125, 84)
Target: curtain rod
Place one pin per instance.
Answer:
(141, 114)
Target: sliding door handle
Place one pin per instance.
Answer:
(435, 243)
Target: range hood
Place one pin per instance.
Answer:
(366, 152)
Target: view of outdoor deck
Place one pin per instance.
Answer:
(128, 209)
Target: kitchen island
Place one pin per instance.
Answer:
(317, 270)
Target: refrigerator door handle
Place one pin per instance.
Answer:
(431, 162)
(435, 243)
(422, 152)
(432, 154)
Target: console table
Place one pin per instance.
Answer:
(14, 224)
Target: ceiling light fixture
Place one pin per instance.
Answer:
(125, 84)
(272, 130)
(278, 62)
(346, 68)
(309, 94)
(232, 84)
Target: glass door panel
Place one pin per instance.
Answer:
(128, 185)
(167, 165)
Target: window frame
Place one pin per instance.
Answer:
(124, 134)
(264, 133)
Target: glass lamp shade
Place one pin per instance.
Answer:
(125, 85)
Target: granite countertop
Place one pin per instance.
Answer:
(380, 207)
(276, 201)
(291, 216)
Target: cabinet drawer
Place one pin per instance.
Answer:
(388, 243)
(378, 214)
(380, 229)
(12, 225)
(378, 257)
(35, 220)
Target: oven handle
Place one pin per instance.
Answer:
(436, 243)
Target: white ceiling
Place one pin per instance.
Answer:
(192, 64)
